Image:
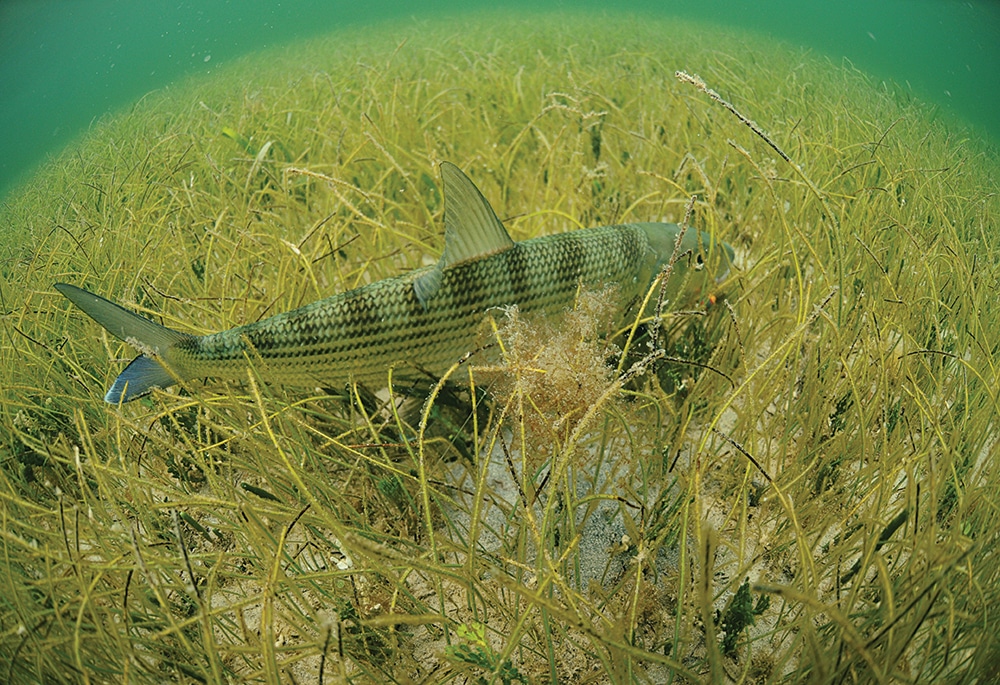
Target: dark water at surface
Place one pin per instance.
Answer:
(64, 63)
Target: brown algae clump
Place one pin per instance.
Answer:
(557, 369)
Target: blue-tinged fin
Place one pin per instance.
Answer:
(139, 378)
(471, 229)
(153, 340)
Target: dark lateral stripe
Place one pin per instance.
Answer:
(571, 260)
(517, 267)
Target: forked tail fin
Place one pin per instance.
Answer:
(146, 371)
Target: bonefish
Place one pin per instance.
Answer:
(419, 323)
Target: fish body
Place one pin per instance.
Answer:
(419, 323)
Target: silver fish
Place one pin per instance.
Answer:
(419, 323)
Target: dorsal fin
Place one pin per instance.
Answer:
(471, 229)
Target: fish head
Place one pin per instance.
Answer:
(702, 260)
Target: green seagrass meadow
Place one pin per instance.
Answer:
(792, 477)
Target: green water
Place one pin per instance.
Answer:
(64, 64)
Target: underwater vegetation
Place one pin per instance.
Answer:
(791, 477)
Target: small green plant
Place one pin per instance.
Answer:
(476, 651)
(740, 615)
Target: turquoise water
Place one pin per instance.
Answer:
(64, 63)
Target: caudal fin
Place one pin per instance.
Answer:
(145, 372)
